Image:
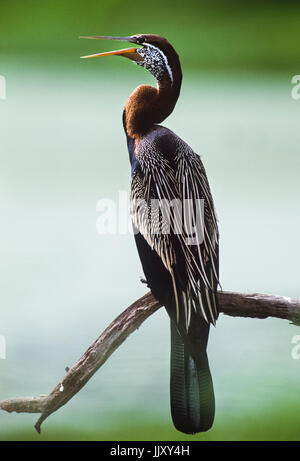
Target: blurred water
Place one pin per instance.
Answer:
(62, 149)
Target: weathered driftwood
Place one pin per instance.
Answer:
(234, 304)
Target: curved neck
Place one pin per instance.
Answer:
(147, 106)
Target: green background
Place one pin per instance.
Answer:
(62, 149)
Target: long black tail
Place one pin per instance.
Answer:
(192, 394)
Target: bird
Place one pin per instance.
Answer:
(169, 193)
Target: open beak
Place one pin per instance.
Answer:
(130, 53)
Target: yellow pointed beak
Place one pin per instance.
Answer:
(130, 53)
(125, 52)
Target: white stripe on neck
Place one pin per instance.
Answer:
(164, 58)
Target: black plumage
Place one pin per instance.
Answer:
(169, 190)
(183, 278)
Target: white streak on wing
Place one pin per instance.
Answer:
(202, 307)
(209, 305)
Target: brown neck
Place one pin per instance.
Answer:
(147, 106)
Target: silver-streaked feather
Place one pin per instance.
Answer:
(181, 176)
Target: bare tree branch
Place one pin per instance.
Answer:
(233, 304)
